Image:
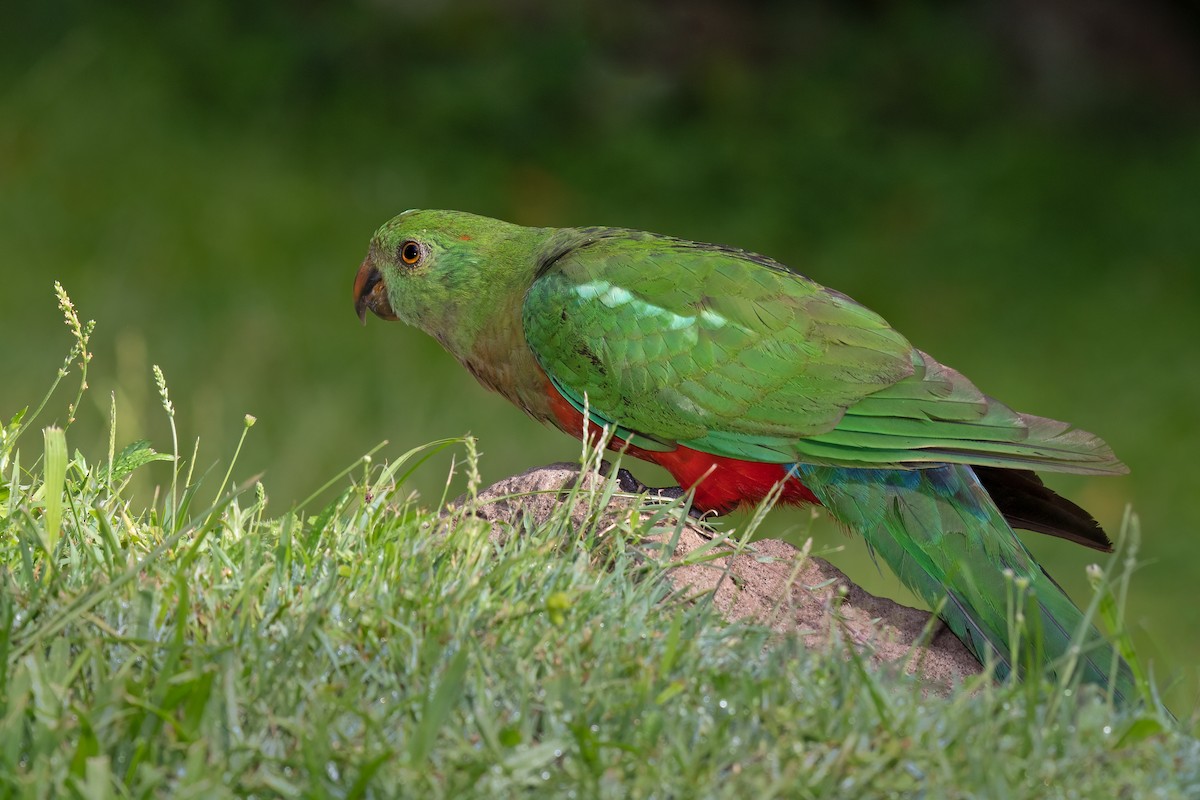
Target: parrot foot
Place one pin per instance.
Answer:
(626, 482)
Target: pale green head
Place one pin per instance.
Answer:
(444, 271)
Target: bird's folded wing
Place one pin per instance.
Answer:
(676, 343)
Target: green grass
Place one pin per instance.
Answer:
(211, 645)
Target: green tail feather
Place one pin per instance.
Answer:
(943, 536)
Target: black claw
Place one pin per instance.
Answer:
(627, 483)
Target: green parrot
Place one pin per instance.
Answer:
(738, 374)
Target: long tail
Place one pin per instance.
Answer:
(939, 530)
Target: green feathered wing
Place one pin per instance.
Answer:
(678, 344)
(733, 354)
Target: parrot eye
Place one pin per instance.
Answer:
(410, 252)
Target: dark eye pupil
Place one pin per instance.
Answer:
(411, 252)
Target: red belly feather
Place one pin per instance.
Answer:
(721, 483)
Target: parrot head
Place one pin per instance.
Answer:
(434, 269)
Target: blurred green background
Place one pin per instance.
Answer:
(1014, 185)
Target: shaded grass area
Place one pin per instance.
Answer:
(369, 646)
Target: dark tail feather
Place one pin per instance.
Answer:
(1030, 505)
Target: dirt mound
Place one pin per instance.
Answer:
(769, 581)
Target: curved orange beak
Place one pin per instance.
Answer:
(370, 293)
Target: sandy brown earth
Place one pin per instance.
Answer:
(768, 581)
